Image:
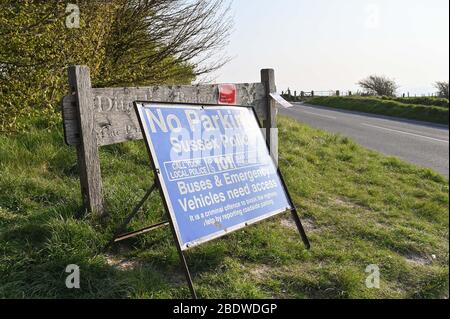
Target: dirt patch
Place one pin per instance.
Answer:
(260, 272)
(343, 203)
(418, 260)
(121, 264)
(307, 223)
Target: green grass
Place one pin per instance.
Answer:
(359, 208)
(425, 100)
(375, 105)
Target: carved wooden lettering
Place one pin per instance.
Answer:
(116, 121)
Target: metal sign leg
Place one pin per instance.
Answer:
(132, 215)
(300, 228)
(294, 213)
(119, 236)
(188, 275)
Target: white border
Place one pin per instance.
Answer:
(186, 246)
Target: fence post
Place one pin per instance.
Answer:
(268, 78)
(87, 150)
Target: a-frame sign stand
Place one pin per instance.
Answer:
(119, 234)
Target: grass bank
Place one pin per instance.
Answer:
(427, 113)
(359, 208)
(426, 100)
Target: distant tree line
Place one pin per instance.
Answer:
(124, 42)
(373, 85)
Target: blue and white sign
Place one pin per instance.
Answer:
(214, 168)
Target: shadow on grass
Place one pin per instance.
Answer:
(97, 280)
(29, 234)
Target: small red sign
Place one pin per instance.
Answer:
(227, 94)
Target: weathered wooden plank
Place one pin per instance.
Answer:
(87, 150)
(70, 120)
(115, 118)
(270, 123)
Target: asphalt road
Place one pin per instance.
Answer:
(420, 143)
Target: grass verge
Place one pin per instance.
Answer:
(425, 100)
(359, 208)
(434, 114)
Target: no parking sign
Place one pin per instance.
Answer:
(213, 167)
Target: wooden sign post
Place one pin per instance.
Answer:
(95, 117)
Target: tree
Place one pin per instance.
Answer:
(379, 85)
(159, 41)
(124, 42)
(443, 89)
(35, 50)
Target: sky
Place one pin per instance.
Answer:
(332, 44)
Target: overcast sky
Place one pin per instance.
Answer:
(331, 44)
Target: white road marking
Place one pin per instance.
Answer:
(321, 115)
(406, 133)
